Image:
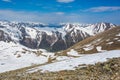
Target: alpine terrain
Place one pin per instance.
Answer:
(65, 51)
(49, 37)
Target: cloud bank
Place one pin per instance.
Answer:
(65, 1)
(53, 17)
(58, 17)
(104, 8)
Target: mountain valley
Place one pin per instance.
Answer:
(31, 49)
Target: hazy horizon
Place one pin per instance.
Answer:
(60, 11)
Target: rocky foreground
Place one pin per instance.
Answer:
(109, 70)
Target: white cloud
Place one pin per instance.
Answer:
(103, 8)
(17, 15)
(31, 16)
(7, 0)
(53, 17)
(58, 17)
(65, 1)
(60, 13)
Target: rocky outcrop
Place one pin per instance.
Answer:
(4, 36)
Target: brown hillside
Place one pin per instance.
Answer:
(108, 40)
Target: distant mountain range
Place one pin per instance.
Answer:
(50, 37)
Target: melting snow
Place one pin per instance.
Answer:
(99, 49)
(73, 53)
(10, 61)
(119, 40)
(70, 64)
(116, 38)
(88, 48)
(110, 42)
(118, 34)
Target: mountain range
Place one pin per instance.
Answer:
(50, 37)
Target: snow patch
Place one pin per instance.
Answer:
(110, 42)
(118, 34)
(99, 49)
(73, 53)
(88, 48)
(119, 40)
(116, 38)
(31, 32)
(70, 64)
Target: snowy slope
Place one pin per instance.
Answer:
(98, 28)
(14, 56)
(70, 64)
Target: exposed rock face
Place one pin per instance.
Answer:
(100, 27)
(32, 43)
(36, 35)
(1, 35)
(4, 36)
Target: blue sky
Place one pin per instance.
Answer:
(58, 11)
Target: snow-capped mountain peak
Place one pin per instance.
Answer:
(51, 37)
